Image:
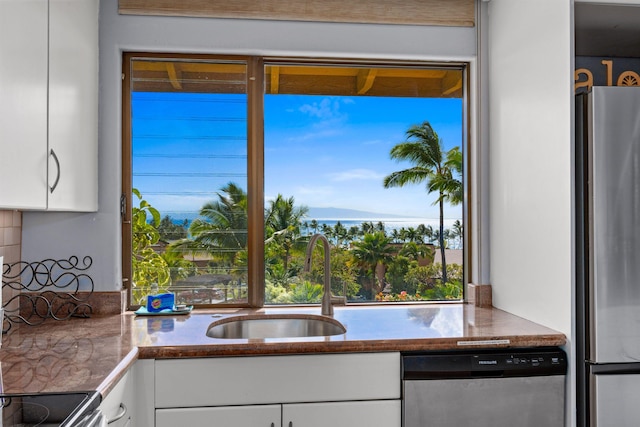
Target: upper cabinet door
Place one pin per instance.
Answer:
(23, 104)
(73, 105)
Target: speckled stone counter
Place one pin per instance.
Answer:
(91, 354)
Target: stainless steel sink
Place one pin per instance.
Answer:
(263, 326)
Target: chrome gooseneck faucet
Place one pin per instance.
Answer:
(327, 299)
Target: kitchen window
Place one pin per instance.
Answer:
(230, 164)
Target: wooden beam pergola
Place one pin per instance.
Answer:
(201, 76)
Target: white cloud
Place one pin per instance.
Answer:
(330, 119)
(326, 109)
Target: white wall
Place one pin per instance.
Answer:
(98, 234)
(530, 68)
(530, 101)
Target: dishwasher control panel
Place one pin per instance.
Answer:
(484, 364)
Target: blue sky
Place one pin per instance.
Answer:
(324, 151)
(334, 151)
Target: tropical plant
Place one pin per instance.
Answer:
(276, 294)
(179, 267)
(457, 231)
(367, 227)
(444, 291)
(417, 251)
(282, 226)
(150, 272)
(343, 274)
(425, 232)
(276, 272)
(353, 233)
(421, 278)
(221, 232)
(306, 292)
(424, 149)
(170, 231)
(396, 272)
(374, 249)
(340, 233)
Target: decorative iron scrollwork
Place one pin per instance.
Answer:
(55, 289)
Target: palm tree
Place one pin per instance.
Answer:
(327, 230)
(354, 231)
(367, 227)
(395, 235)
(222, 230)
(416, 251)
(179, 267)
(424, 149)
(453, 184)
(457, 230)
(412, 235)
(373, 249)
(423, 232)
(282, 225)
(340, 233)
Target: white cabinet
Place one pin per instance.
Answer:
(232, 416)
(23, 103)
(356, 389)
(374, 413)
(382, 413)
(117, 406)
(130, 402)
(73, 105)
(48, 104)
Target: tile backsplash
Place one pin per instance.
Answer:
(10, 235)
(11, 249)
(10, 244)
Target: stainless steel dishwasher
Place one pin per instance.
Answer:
(510, 388)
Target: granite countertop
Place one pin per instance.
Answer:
(91, 354)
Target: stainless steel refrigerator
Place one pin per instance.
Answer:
(608, 256)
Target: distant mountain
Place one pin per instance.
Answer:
(340, 213)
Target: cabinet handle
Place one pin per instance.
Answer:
(55, 184)
(119, 415)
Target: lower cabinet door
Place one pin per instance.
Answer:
(225, 416)
(375, 413)
(118, 406)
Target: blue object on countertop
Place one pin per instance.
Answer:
(160, 302)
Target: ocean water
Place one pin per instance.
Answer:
(390, 224)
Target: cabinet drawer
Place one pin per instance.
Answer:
(235, 416)
(380, 413)
(277, 379)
